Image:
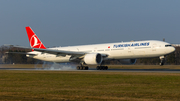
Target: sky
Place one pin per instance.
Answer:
(81, 22)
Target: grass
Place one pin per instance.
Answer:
(96, 86)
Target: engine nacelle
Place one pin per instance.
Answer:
(127, 61)
(93, 59)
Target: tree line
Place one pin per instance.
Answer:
(8, 56)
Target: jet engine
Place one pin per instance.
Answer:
(93, 59)
(127, 61)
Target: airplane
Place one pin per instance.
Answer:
(96, 54)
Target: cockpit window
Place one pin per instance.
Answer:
(168, 45)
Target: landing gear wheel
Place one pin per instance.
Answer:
(86, 68)
(81, 68)
(106, 67)
(162, 63)
(98, 67)
(78, 67)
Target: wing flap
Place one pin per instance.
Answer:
(57, 52)
(25, 53)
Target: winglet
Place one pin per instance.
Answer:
(34, 41)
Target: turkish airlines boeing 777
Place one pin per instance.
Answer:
(125, 52)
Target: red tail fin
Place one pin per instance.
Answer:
(33, 39)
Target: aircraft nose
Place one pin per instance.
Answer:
(173, 49)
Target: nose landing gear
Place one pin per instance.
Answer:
(162, 60)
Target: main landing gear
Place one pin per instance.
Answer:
(82, 67)
(162, 60)
(102, 67)
(86, 67)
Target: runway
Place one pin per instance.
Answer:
(94, 70)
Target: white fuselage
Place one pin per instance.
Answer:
(121, 50)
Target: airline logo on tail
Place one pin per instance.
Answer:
(34, 42)
(33, 39)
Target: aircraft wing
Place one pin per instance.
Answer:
(57, 52)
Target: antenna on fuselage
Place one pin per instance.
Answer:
(164, 39)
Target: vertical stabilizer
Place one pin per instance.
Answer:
(34, 41)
